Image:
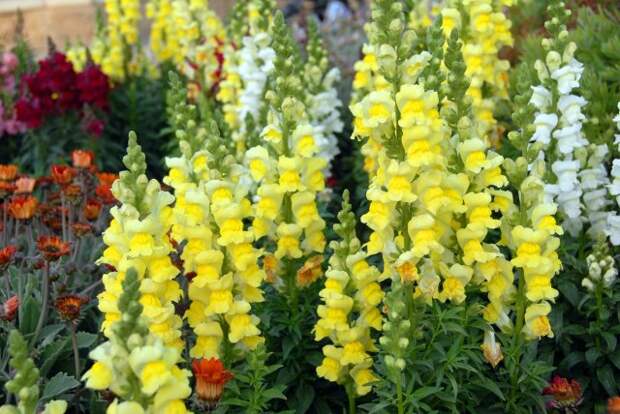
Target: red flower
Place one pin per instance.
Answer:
(8, 172)
(6, 255)
(92, 209)
(52, 247)
(82, 158)
(23, 207)
(211, 376)
(93, 86)
(8, 310)
(107, 178)
(566, 393)
(95, 127)
(6, 188)
(29, 112)
(62, 174)
(613, 405)
(69, 306)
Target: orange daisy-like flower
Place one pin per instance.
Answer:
(613, 405)
(69, 306)
(211, 376)
(82, 158)
(62, 174)
(92, 209)
(107, 178)
(104, 192)
(23, 207)
(72, 192)
(270, 265)
(565, 393)
(8, 310)
(310, 271)
(25, 185)
(52, 247)
(6, 188)
(6, 255)
(81, 229)
(8, 172)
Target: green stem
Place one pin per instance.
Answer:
(76, 354)
(516, 342)
(351, 397)
(399, 394)
(45, 298)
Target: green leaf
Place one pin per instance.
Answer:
(424, 392)
(570, 292)
(59, 384)
(611, 340)
(571, 360)
(615, 358)
(49, 332)
(592, 355)
(304, 396)
(29, 312)
(85, 339)
(605, 376)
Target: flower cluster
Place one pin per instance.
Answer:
(136, 365)
(137, 237)
(613, 220)
(246, 70)
(189, 34)
(56, 88)
(9, 124)
(602, 272)
(218, 255)
(350, 296)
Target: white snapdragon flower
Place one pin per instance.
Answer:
(541, 97)
(614, 187)
(544, 123)
(570, 107)
(613, 229)
(566, 173)
(568, 76)
(570, 138)
(570, 203)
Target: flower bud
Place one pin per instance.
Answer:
(400, 364)
(403, 343)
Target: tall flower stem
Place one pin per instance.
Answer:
(351, 397)
(44, 303)
(516, 340)
(74, 344)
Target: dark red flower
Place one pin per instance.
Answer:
(93, 86)
(29, 112)
(62, 174)
(95, 127)
(565, 393)
(104, 192)
(8, 310)
(52, 247)
(6, 188)
(211, 376)
(81, 229)
(6, 255)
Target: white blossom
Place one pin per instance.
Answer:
(541, 97)
(568, 76)
(545, 123)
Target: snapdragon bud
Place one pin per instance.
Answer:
(587, 283)
(553, 60)
(403, 343)
(400, 364)
(405, 324)
(595, 271)
(389, 361)
(541, 70)
(384, 341)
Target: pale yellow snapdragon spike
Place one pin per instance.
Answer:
(218, 255)
(138, 238)
(351, 288)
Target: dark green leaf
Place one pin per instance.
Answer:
(59, 384)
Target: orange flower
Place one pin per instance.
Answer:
(310, 271)
(92, 209)
(23, 207)
(8, 172)
(72, 192)
(25, 185)
(82, 158)
(211, 376)
(52, 247)
(69, 306)
(6, 255)
(62, 174)
(107, 178)
(270, 265)
(8, 310)
(566, 393)
(81, 229)
(613, 405)
(104, 192)
(6, 188)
